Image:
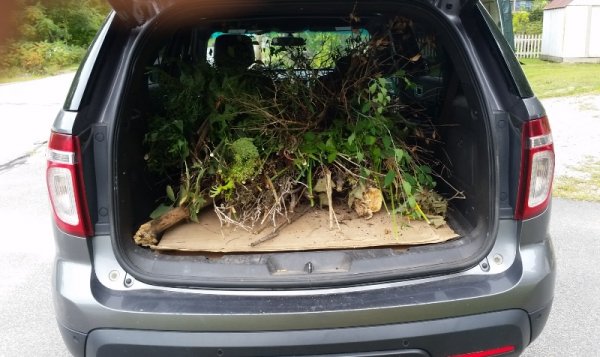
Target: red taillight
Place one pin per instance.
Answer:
(64, 177)
(499, 351)
(537, 169)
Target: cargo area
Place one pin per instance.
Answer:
(316, 243)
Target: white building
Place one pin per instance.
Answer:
(571, 31)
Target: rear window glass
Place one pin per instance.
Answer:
(276, 49)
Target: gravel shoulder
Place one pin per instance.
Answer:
(575, 123)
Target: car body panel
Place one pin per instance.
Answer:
(522, 278)
(417, 339)
(98, 297)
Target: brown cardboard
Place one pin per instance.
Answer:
(308, 232)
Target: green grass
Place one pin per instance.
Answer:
(549, 79)
(583, 184)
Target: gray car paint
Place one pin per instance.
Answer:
(95, 291)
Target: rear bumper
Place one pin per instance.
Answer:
(103, 310)
(416, 339)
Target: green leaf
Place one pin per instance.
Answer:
(170, 193)
(387, 142)
(365, 107)
(214, 191)
(331, 157)
(389, 178)
(365, 172)
(310, 136)
(409, 84)
(308, 149)
(399, 154)
(376, 153)
(373, 88)
(410, 179)
(330, 144)
(370, 140)
(412, 202)
(407, 187)
(321, 146)
(425, 169)
(314, 157)
(360, 156)
(351, 138)
(159, 211)
(183, 193)
(400, 73)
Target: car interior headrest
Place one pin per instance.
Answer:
(233, 51)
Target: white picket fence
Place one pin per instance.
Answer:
(528, 46)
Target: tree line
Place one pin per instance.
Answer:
(530, 22)
(49, 35)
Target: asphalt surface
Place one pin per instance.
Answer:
(573, 328)
(27, 321)
(27, 110)
(26, 253)
(26, 250)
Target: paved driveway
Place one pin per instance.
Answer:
(27, 324)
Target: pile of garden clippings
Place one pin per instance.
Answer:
(285, 158)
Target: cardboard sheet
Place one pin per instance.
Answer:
(308, 232)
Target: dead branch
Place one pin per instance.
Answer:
(202, 133)
(150, 232)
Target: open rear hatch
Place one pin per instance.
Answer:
(446, 90)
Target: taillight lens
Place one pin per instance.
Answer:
(537, 169)
(65, 185)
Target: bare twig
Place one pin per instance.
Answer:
(329, 189)
(278, 229)
(202, 134)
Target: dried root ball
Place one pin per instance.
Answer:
(366, 201)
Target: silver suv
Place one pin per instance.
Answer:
(486, 293)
